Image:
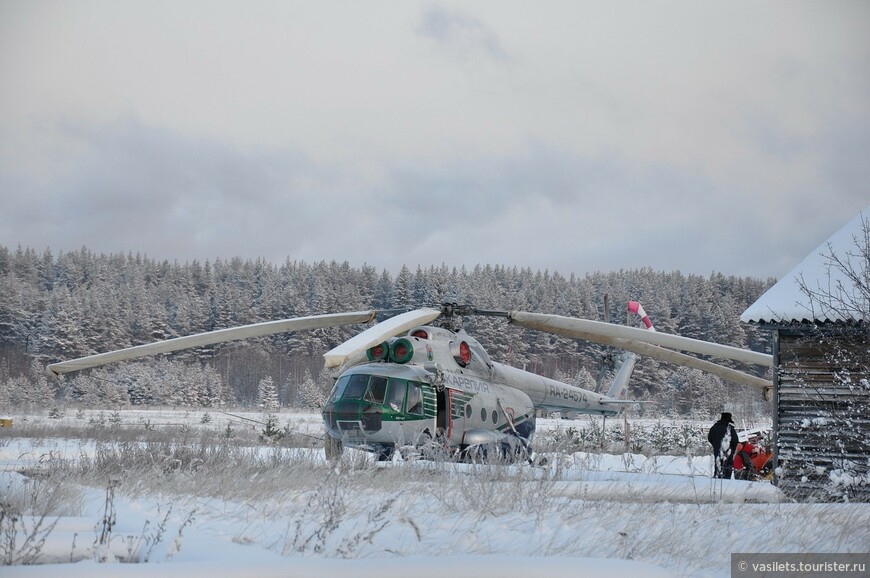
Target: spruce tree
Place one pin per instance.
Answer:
(267, 395)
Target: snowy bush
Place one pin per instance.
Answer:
(662, 438)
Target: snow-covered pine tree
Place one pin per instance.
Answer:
(216, 392)
(403, 297)
(267, 394)
(584, 379)
(310, 394)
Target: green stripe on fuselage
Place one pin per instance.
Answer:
(460, 400)
(430, 403)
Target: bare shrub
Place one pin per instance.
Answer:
(21, 537)
(26, 510)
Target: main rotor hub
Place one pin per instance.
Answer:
(452, 314)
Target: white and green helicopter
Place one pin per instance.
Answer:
(419, 380)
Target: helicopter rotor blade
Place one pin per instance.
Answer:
(213, 337)
(677, 358)
(594, 330)
(644, 342)
(378, 334)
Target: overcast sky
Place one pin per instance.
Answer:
(568, 135)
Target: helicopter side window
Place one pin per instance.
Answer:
(377, 389)
(415, 399)
(355, 387)
(396, 394)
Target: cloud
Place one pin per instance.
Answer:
(461, 34)
(577, 137)
(133, 187)
(136, 188)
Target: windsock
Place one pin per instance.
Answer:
(635, 307)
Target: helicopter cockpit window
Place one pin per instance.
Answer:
(396, 394)
(415, 399)
(355, 386)
(380, 390)
(339, 388)
(377, 389)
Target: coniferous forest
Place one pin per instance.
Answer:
(56, 307)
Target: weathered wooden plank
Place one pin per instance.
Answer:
(822, 421)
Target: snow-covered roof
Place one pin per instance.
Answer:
(790, 301)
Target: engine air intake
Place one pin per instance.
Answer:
(401, 351)
(379, 352)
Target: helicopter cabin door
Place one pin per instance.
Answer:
(455, 415)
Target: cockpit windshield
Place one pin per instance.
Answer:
(350, 387)
(377, 389)
(398, 395)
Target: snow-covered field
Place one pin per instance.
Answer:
(182, 494)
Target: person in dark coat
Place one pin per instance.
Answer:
(723, 438)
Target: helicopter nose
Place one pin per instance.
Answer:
(349, 417)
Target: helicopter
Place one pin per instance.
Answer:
(418, 380)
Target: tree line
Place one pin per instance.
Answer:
(56, 307)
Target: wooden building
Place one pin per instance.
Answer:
(819, 313)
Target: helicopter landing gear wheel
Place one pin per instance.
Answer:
(481, 454)
(385, 453)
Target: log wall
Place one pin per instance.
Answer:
(822, 422)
